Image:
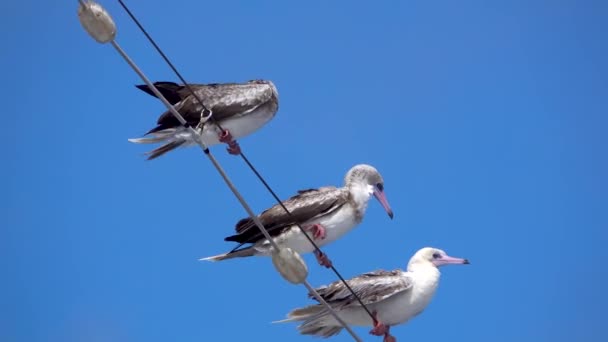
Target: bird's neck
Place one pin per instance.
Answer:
(427, 275)
(360, 194)
(426, 281)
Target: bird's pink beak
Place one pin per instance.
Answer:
(381, 197)
(447, 260)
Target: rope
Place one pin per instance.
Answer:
(221, 172)
(245, 159)
(227, 180)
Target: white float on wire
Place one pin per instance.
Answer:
(100, 26)
(96, 21)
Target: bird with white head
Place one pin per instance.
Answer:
(394, 297)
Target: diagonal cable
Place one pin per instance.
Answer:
(249, 164)
(220, 171)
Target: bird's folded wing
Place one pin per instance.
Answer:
(370, 287)
(227, 100)
(306, 205)
(224, 100)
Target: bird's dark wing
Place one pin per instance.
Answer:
(370, 287)
(223, 99)
(227, 100)
(306, 205)
(173, 92)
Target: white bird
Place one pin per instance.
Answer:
(326, 214)
(393, 297)
(239, 108)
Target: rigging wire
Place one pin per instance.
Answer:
(101, 20)
(231, 185)
(245, 159)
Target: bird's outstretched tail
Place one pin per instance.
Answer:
(149, 140)
(171, 137)
(240, 253)
(316, 321)
(303, 314)
(168, 89)
(170, 146)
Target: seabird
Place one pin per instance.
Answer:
(326, 214)
(393, 297)
(239, 108)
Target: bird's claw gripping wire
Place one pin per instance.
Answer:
(382, 329)
(225, 136)
(389, 338)
(233, 147)
(218, 167)
(323, 259)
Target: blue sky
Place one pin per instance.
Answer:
(486, 119)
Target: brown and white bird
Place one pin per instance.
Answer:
(393, 297)
(326, 214)
(239, 108)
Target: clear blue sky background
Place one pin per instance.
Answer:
(487, 120)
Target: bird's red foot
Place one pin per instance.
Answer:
(225, 136)
(380, 329)
(318, 231)
(389, 338)
(323, 259)
(233, 146)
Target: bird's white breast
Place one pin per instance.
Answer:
(239, 126)
(409, 304)
(336, 225)
(399, 308)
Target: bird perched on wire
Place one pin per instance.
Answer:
(325, 214)
(237, 110)
(393, 297)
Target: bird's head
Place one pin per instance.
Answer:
(435, 257)
(366, 179)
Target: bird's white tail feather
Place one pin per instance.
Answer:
(156, 137)
(150, 140)
(241, 253)
(317, 321)
(302, 314)
(171, 137)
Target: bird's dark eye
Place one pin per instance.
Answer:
(436, 255)
(380, 186)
